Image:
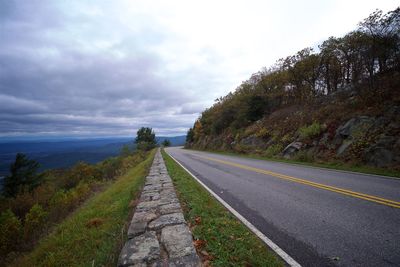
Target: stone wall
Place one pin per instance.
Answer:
(158, 234)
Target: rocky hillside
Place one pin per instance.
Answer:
(339, 104)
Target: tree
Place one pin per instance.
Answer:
(190, 136)
(166, 143)
(23, 174)
(145, 139)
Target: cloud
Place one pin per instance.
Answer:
(107, 68)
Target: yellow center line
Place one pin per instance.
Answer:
(383, 201)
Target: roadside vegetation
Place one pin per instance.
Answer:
(33, 205)
(220, 238)
(339, 104)
(94, 234)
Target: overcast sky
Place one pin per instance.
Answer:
(106, 68)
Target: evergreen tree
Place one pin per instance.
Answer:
(166, 143)
(23, 174)
(145, 139)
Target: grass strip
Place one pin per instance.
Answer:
(219, 236)
(327, 165)
(95, 233)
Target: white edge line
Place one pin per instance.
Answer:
(289, 260)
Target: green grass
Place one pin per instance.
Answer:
(228, 241)
(92, 235)
(327, 165)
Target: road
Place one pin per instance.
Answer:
(320, 217)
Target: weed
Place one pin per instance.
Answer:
(308, 132)
(303, 156)
(273, 150)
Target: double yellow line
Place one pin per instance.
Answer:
(383, 201)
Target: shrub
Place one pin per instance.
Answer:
(10, 232)
(71, 199)
(286, 139)
(22, 203)
(82, 190)
(273, 150)
(35, 220)
(57, 205)
(241, 148)
(43, 193)
(4, 203)
(262, 133)
(308, 132)
(80, 172)
(304, 156)
(110, 167)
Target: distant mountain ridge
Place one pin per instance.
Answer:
(64, 153)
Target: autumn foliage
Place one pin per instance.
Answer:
(32, 212)
(365, 62)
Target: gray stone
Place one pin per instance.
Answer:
(150, 195)
(165, 220)
(170, 208)
(143, 216)
(140, 250)
(148, 205)
(379, 156)
(167, 185)
(253, 141)
(145, 198)
(160, 263)
(343, 147)
(292, 148)
(177, 240)
(168, 195)
(152, 188)
(143, 247)
(355, 127)
(186, 261)
(168, 200)
(386, 141)
(136, 228)
(152, 180)
(344, 131)
(167, 191)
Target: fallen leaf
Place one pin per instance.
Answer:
(95, 222)
(205, 253)
(198, 220)
(199, 243)
(206, 263)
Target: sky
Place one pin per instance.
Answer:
(97, 68)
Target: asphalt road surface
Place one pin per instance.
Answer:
(319, 217)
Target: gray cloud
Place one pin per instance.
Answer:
(54, 83)
(99, 67)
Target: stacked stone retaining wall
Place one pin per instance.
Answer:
(158, 234)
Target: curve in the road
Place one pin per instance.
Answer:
(321, 217)
(379, 200)
(286, 257)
